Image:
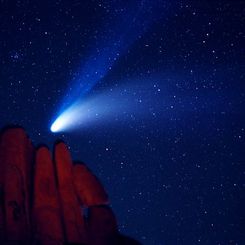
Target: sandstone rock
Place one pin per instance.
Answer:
(16, 152)
(89, 189)
(75, 230)
(43, 200)
(47, 222)
(102, 226)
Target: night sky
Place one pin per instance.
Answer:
(169, 147)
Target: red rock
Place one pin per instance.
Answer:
(16, 153)
(88, 187)
(2, 231)
(102, 226)
(72, 213)
(59, 190)
(46, 207)
(1, 213)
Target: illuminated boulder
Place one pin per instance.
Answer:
(47, 223)
(16, 152)
(51, 201)
(71, 210)
(89, 190)
(102, 225)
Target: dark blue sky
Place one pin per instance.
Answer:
(176, 174)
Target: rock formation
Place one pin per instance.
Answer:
(51, 200)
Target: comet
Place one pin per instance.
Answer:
(132, 101)
(113, 41)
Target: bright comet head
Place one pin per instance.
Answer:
(58, 124)
(67, 119)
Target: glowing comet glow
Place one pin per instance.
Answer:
(67, 119)
(60, 122)
(117, 36)
(126, 103)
